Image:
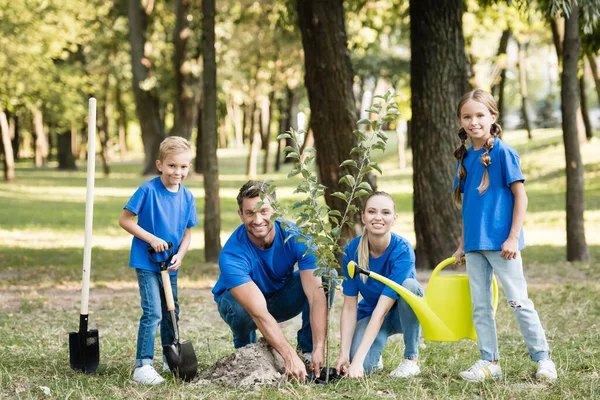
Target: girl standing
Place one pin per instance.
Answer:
(366, 326)
(493, 203)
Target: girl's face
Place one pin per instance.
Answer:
(379, 215)
(476, 120)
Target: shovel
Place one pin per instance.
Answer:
(84, 347)
(181, 357)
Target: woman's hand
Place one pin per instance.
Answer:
(341, 364)
(356, 370)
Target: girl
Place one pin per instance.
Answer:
(366, 326)
(493, 209)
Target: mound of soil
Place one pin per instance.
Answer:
(250, 366)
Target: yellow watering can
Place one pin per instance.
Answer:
(445, 311)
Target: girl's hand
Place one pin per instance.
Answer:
(510, 248)
(341, 364)
(356, 370)
(175, 263)
(459, 255)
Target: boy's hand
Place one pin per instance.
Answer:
(159, 245)
(510, 248)
(175, 263)
(459, 255)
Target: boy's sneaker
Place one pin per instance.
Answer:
(147, 375)
(406, 369)
(482, 370)
(546, 370)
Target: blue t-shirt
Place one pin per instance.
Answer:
(487, 218)
(397, 264)
(163, 213)
(241, 261)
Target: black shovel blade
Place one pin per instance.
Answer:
(182, 360)
(84, 351)
(322, 378)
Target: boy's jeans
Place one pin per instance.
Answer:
(400, 319)
(283, 304)
(154, 307)
(480, 267)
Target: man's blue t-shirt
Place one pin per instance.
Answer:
(241, 261)
(487, 218)
(397, 264)
(163, 213)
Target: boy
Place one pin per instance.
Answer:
(166, 212)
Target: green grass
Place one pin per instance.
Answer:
(41, 242)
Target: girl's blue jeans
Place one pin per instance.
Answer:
(400, 319)
(283, 305)
(154, 312)
(481, 265)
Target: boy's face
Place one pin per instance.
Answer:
(174, 169)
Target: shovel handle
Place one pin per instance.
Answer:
(168, 290)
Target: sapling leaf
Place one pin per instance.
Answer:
(339, 195)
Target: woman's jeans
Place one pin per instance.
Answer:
(154, 312)
(400, 319)
(481, 265)
(283, 305)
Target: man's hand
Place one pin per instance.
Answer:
(318, 360)
(294, 368)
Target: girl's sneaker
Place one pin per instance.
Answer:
(147, 375)
(546, 370)
(406, 369)
(482, 370)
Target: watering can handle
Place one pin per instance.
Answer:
(441, 266)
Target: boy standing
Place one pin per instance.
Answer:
(166, 212)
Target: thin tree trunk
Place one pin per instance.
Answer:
(212, 208)
(41, 138)
(439, 78)
(585, 115)
(266, 112)
(122, 123)
(147, 102)
(577, 249)
(558, 32)
(594, 68)
(523, 86)
(499, 73)
(9, 159)
(103, 121)
(66, 160)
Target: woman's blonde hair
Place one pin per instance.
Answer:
(483, 97)
(363, 244)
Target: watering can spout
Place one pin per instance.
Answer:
(445, 311)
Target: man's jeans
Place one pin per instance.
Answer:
(154, 312)
(481, 265)
(400, 319)
(283, 304)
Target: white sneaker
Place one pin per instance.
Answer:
(379, 366)
(166, 367)
(406, 369)
(147, 375)
(482, 370)
(546, 370)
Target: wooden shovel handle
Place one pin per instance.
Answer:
(168, 290)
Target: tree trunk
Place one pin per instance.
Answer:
(212, 208)
(9, 159)
(499, 73)
(103, 122)
(594, 68)
(577, 249)
(328, 80)
(15, 134)
(122, 123)
(146, 101)
(438, 79)
(41, 137)
(200, 162)
(557, 36)
(585, 115)
(523, 86)
(266, 112)
(66, 160)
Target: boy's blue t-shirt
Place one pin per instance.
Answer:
(163, 213)
(241, 261)
(487, 218)
(397, 264)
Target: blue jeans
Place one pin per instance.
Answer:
(283, 305)
(154, 312)
(400, 319)
(481, 265)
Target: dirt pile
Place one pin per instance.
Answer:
(250, 366)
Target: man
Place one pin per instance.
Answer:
(258, 286)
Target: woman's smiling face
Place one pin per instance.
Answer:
(379, 215)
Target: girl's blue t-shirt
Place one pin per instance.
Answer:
(487, 218)
(163, 213)
(241, 261)
(397, 264)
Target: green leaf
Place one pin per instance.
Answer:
(350, 179)
(335, 212)
(364, 121)
(365, 185)
(360, 193)
(339, 195)
(376, 166)
(336, 232)
(284, 136)
(351, 163)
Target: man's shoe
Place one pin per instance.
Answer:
(147, 375)
(406, 369)
(546, 371)
(482, 370)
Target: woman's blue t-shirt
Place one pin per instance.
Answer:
(397, 264)
(241, 261)
(487, 218)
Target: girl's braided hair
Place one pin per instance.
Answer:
(483, 97)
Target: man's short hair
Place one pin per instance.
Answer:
(173, 144)
(252, 189)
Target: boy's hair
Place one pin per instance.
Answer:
(363, 244)
(252, 189)
(173, 144)
(483, 97)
